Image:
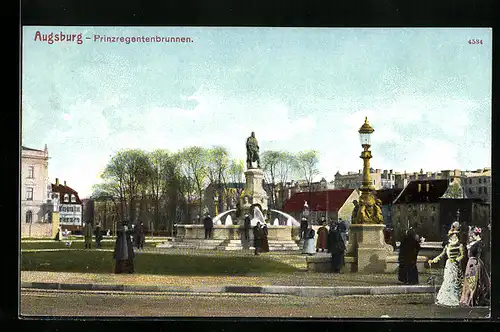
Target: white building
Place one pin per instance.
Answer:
(34, 185)
(69, 205)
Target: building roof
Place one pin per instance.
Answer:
(387, 196)
(30, 149)
(62, 189)
(411, 194)
(327, 200)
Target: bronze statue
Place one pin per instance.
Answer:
(252, 151)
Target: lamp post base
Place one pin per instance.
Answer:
(367, 245)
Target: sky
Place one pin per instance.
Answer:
(426, 92)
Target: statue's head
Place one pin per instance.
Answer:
(355, 202)
(253, 134)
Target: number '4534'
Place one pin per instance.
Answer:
(475, 41)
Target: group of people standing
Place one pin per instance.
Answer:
(471, 287)
(332, 238)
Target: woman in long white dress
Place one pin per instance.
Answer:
(451, 288)
(309, 245)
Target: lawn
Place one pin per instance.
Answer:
(74, 245)
(149, 263)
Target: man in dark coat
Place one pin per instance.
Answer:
(246, 227)
(98, 236)
(140, 236)
(408, 252)
(264, 242)
(208, 224)
(336, 247)
(257, 238)
(124, 251)
(303, 227)
(87, 233)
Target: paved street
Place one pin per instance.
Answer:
(82, 303)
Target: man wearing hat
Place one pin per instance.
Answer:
(257, 238)
(303, 227)
(208, 224)
(246, 227)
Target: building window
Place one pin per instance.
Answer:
(29, 194)
(427, 187)
(31, 172)
(73, 198)
(29, 217)
(66, 198)
(485, 190)
(77, 220)
(470, 181)
(480, 190)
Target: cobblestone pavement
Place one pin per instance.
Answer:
(60, 303)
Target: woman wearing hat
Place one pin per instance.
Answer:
(477, 284)
(450, 291)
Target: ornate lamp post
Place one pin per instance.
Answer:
(368, 212)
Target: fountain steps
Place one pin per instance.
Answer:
(274, 245)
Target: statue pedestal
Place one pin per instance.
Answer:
(367, 245)
(253, 188)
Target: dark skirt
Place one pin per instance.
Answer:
(265, 245)
(408, 273)
(124, 266)
(337, 261)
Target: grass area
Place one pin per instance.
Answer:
(74, 245)
(148, 263)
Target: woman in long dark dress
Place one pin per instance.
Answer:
(264, 240)
(476, 289)
(124, 251)
(408, 252)
(336, 247)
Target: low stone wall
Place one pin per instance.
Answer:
(235, 232)
(322, 263)
(36, 229)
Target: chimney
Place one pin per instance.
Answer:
(65, 183)
(57, 182)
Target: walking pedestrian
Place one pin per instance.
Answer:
(98, 236)
(87, 233)
(264, 241)
(140, 236)
(476, 289)
(308, 248)
(303, 227)
(322, 240)
(257, 238)
(246, 227)
(336, 247)
(408, 253)
(450, 290)
(208, 224)
(124, 252)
